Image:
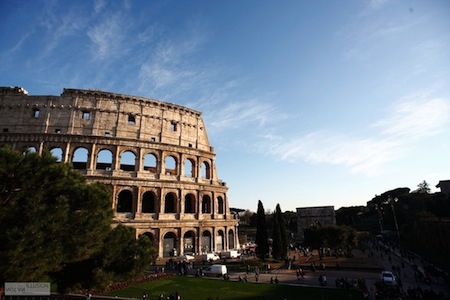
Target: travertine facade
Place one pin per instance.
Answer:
(155, 156)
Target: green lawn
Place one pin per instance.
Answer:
(191, 288)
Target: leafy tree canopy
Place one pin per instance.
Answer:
(52, 220)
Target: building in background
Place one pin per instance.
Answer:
(444, 185)
(154, 155)
(314, 216)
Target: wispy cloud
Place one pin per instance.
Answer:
(415, 119)
(234, 115)
(408, 122)
(107, 37)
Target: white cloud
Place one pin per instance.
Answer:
(235, 115)
(414, 119)
(107, 37)
(407, 122)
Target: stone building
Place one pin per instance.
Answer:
(314, 216)
(154, 155)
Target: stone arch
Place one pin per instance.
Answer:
(124, 201)
(104, 160)
(170, 203)
(150, 162)
(206, 241)
(220, 205)
(189, 204)
(128, 161)
(231, 244)
(149, 202)
(170, 165)
(30, 149)
(169, 244)
(189, 167)
(189, 242)
(80, 158)
(151, 237)
(57, 153)
(206, 204)
(205, 170)
(220, 241)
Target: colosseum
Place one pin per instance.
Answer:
(154, 155)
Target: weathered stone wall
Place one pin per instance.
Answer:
(155, 156)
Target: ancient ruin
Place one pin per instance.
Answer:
(154, 155)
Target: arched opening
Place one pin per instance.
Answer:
(150, 162)
(189, 242)
(220, 240)
(58, 153)
(189, 204)
(125, 201)
(189, 170)
(80, 158)
(206, 170)
(148, 202)
(170, 203)
(231, 239)
(127, 161)
(170, 165)
(206, 241)
(169, 244)
(104, 160)
(30, 149)
(220, 205)
(206, 204)
(151, 237)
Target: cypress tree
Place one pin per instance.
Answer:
(261, 232)
(283, 232)
(276, 238)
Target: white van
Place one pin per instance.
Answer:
(215, 270)
(210, 257)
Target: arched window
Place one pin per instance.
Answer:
(189, 242)
(125, 201)
(150, 162)
(104, 160)
(189, 204)
(220, 205)
(206, 170)
(206, 241)
(231, 239)
(80, 158)
(148, 202)
(58, 153)
(170, 203)
(127, 161)
(189, 170)
(169, 244)
(206, 204)
(220, 240)
(170, 165)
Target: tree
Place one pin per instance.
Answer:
(276, 238)
(261, 232)
(423, 187)
(56, 226)
(283, 231)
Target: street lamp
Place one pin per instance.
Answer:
(391, 202)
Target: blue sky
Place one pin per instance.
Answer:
(307, 103)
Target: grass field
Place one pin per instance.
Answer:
(192, 288)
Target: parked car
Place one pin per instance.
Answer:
(388, 278)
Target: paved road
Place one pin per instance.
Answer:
(386, 257)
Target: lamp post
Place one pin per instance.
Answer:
(380, 217)
(392, 201)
